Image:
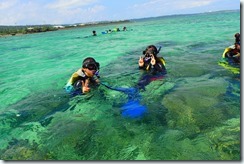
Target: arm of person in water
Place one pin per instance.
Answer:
(156, 65)
(237, 55)
(69, 86)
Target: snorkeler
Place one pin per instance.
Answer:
(152, 64)
(150, 61)
(80, 81)
(232, 53)
(94, 33)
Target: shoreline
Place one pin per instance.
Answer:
(31, 29)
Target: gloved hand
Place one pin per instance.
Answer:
(69, 88)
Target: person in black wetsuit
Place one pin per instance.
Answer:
(153, 66)
(232, 53)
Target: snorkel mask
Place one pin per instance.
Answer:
(151, 51)
(92, 66)
(148, 55)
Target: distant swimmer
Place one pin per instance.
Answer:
(94, 33)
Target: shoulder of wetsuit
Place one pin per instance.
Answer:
(162, 60)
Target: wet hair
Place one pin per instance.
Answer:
(152, 49)
(238, 37)
(94, 33)
(89, 60)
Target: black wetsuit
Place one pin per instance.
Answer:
(153, 72)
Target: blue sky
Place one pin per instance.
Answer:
(35, 12)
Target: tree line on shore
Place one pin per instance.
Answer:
(13, 30)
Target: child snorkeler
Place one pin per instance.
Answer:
(152, 64)
(80, 81)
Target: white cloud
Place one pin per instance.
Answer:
(18, 12)
(96, 9)
(188, 4)
(67, 4)
(78, 15)
(7, 4)
(175, 4)
(74, 11)
(166, 7)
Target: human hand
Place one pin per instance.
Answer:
(141, 62)
(85, 87)
(153, 61)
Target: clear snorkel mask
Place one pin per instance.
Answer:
(93, 66)
(148, 54)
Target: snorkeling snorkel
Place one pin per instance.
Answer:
(159, 49)
(97, 74)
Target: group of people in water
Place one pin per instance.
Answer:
(154, 66)
(94, 33)
(88, 75)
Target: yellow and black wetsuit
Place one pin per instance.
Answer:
(232, 55)
(153, 72)
(74, 84)
(159, 67)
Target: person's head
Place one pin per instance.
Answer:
(94, 32)
(90, 66)
(150, 50)
(238, 37)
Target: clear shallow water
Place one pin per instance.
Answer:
(192, 114)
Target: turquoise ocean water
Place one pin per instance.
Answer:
(193, 113)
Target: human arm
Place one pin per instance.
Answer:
(69, 86)
(157, 65)
(237, 55)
